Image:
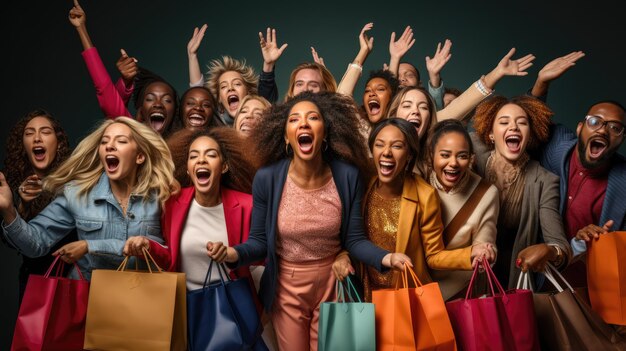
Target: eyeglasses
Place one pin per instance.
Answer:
(594, 123)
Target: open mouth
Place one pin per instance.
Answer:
(196, 120)
(112, 163)
(451, 176)
(233, 102)
(597, 147)
(203, 176)
(514, 143)
(386, 167)
(305, 143)
(157, 121)
(374, 107)
(416, 122)
(245, 128)
(39, 152)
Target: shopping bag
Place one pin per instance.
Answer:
(346, 324)
(606, 277)
(52, 313)
(567, 323)
(136, 310)
(503, 321)
(223, 316)
(412, 318)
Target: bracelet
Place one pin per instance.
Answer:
(482, 88)
(356, 66)
(559, 255)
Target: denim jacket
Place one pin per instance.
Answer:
(97, 218)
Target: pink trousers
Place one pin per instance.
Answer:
(301, 288)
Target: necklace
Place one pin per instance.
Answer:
(123, 204)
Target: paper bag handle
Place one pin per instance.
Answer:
(59, 269)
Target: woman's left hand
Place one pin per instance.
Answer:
(535, 257)
(480, 251)
(135, 244)
(397, 260)
(342, 267)
(73, 251)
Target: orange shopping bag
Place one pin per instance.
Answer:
(412, 318)
(606, 276)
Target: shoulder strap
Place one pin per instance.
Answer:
(468, 208)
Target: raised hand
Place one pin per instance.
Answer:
(397, 48)
(77, 15)
(442, 55)
(316, 58)
(135, 244)
(127, 66)
(555, 68)
(270, 50)
(517, 67)
(73, 251)
(593, 231)
(366, 43)
(196, 39)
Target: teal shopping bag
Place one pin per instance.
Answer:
(346, 325)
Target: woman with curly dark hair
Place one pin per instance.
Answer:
(530, 229)
(36, 146)
(307, 211)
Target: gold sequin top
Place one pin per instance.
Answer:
(381, 217)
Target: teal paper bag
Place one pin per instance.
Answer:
(346, 325)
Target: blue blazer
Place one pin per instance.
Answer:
(267, 190)
(555, 157)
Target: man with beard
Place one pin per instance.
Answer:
(593, 176)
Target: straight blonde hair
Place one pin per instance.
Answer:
(154, 176)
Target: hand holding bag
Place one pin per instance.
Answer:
(412, 318)
(504, 321)
(346, 325)
(52, 313)
(136, 310)
(223, 316)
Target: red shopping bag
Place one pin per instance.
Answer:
(52, 313)
(504, 321)
(606, 276)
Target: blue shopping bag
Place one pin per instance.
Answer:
(346, 325)
(223, 315)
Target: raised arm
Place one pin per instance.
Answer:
(127, 66)
(553, 70)
(317, 58)
(196, 79)
(483, 87)
(351, 77)
(434, 66)
(397, 48)
(271, 54)
(111, 102)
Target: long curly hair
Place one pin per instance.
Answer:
(539, 117)
(18, 167)
(155, 176)
(233, 151)
(341, 126)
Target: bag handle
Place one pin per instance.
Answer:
(149, 260)
(523, 281)
(221, 269)
(341, 289)
(60, 266)
(491, 278)
(551, 273)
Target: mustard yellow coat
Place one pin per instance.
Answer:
(420, 231)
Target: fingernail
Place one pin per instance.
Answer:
(518, 262)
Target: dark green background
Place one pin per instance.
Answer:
(43, 66)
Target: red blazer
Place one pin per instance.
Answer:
(237, 212)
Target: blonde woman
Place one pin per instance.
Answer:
(113, 186)
(251, 110)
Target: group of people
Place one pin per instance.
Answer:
(316, 187)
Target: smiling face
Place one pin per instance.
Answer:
(157, 107)
(119, 153)
(232, 89)
(408, 76)
(248, 116)
(391, 155)
(307, 79)
(415, 108)
(511, 132)
(40, 143)
(305, 131)
(596, 147)
(451, 159)
(376, 99)
(205, 165)
(197, 108)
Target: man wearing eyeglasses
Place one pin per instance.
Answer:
(592, 172)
